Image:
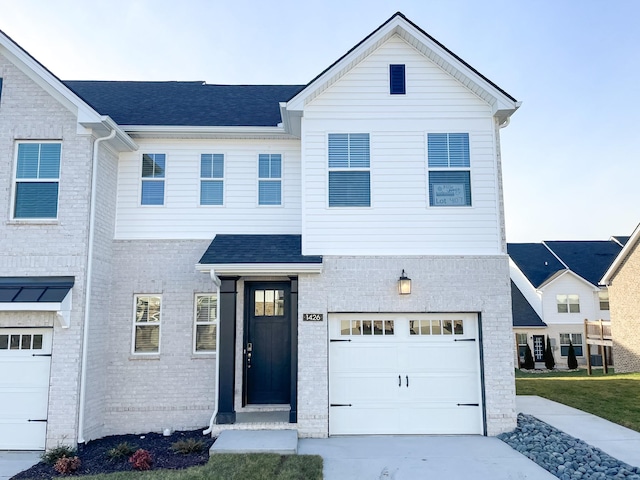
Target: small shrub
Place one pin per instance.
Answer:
(572, 361)
(141, 460)
(190, 445)
(67, 465)
(549, 361)
(529, 363)
(54, 454)
(122, 450)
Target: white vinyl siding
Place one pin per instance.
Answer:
(146, 324)
(211, 179)
(182, 217)
(37, 180)
(398, 126)
(153, 174)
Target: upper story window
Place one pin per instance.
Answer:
(449, 170)
(146, 324)
(603, 299)
(568, 303)
(397, 82)
(269, 179)
(153, 173)
(37, 180)
(211, 179)
(349, 170)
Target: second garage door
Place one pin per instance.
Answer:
(404, 374)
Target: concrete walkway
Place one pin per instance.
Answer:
(421, 457)
(619, 442)
(12, 463)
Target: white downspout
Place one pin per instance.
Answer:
(88, 284)
(216, 280)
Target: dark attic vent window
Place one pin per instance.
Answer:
(0, 88)
(397, 80)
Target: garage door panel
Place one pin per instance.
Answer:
(441, 419)
(462, 388)
(24, 435)
(363, 357)
(364, 420)
(361, 388)
(433, 356)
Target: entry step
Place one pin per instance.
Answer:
(283, 442)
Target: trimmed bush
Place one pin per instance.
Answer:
(528, 363)
(141, 460)
(122, 450)
(190, 445)
(67, 465)
(54, 454)
(549, 361)
(572, 361)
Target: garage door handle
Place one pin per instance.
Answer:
(41, 354)
(338, 340)
(407, 381)
(468, 404)
(465, 340)
(40, 420)
(399, 381)
(340, 405)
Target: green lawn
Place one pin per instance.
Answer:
(255, 466)
(613, 396)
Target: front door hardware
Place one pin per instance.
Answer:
(468, 404)
(340, 405)
(465, 340)
(339, 340)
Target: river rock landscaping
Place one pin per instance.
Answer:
(96, 458)
(564, 456)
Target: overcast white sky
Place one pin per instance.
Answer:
(570, 157)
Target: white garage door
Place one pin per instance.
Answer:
(404, 374)
(25, 363)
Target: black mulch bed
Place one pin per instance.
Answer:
(94, 457)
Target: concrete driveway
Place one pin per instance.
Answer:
(15, 462)
(421, 457)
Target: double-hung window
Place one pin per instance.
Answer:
(522, 344)
(269, 179)
(349, 170)
(449, 170)
(575, 339)
(146, 324)
(568, 303)
(205, 328)
(211, 179)
(37, 180)
(603, 299)
(153, 173)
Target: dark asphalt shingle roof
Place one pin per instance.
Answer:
(185, 103)
(257, 249)
(623, 239)
(589, 259)
(34, 289)
(535, 261)
(523, 313)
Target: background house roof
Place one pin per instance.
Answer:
(535, 261)
(589, 259)
(185, 103)
(622, 240)
(523, 313)
(226, 249)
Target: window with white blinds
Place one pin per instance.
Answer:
(205, 328)
(153, 174)
(211, 179)
(349, 170)
(449, 170)
(37, 180)
(270, 179)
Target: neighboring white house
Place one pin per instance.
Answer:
(555, 289)
(180, 255)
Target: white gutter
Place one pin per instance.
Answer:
(217, 282)
(88, 283)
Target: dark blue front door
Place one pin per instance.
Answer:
(267, 343)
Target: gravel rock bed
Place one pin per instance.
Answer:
(564, 456)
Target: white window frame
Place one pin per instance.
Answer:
(34, 180)
(567, 303)
(196, 323)
(213, 179)
(519, 337)
(136, 323)
(153, 179)
(269, 179)
(603, 297)
(449, 169)
(348, 168)
(572, 337)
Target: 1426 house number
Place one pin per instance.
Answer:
(312, 317)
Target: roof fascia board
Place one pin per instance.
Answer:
(527, 289)
(500, 101)
(562, 273)
(621, 257)
(45, 79)
(259, 268)
(179, 131)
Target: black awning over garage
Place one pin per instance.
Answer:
(34, 289)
